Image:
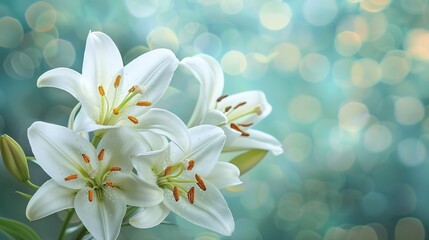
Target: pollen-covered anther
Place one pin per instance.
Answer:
(176, 193)
(86, 158)
(200, 182)
(110, 184)
(101, 155)
(101, 90)
(191, 165)
(227, 109)
(235, 127)
(115, 169)
(90, 195)
(115, 111)
(133, 119)
(258, 110)
(239, 105)
(144, 103)
(191, 195)
(221, 98)
(117, 81)
(71, 177)
(167, 170)
(132, 89)
(245, 124)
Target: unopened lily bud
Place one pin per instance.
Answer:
(14, 158)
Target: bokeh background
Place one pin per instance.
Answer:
(348, 81)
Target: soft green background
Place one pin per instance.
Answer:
(347, 79)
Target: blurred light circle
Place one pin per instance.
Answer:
(207, 236)
(275, 15)
(409, 228)
(41, 16)
(231, 6)
(356, 24)
(256, 66)
(377, 138)
(414, 6)
(340, 160)
(234, 62)
(23, 65)
(320, 13)
(304, 109)
(416, 44)
(163, 37)
(59, 53)
(208, 43)
(308, 235)
(374, 204)
(403, 199)
(298, 147)
(353, 116)
(374, 5)
(135, 52)
(342, 72)
(142, 9)
(377, 26)
(395, 67)
(35, 55)
(314, 67)
(290, 206)
(381, 230)
(336, 233)
(409, 110)
(12, 32)
(287, 58)
(362, 232)
(315, 215)
(43, 38)
(411, 152)
(365, 73)
(347, 43)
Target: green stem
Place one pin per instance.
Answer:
(97, 138)
(32, 184)
(30, 158)
(81, 234)
(65, 224)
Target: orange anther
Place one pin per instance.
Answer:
(245, 124)
(115, 169)
(144, 103)
(191, 195)
(90, 195)
(239, 105)
(110, 184)
(200, 182)
(133, 119)
(115, 111)
(71, 177)
(191, 164)
(221, 98)
(235, 127)
(176, 193)
(101, 90)
(101, 155)
(227, 108)
(117, 81)
(132, 89)
(168, 170)
(86, 158)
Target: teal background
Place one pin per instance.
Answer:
(347, 79)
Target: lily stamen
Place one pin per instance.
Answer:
(168, 170)
(133, 119)
(227, 109)
(90, 195)
(115, 169)
(191, 195)
(144, 103)
(71, 177)
(239, 105)
(191, 164)
(101, 155)
(176, 193)
(110, 184)
(117, 81)
(101, 91)
(115, 111)
(245, 124)
(86, 158)
(200, 182)
(221, 98)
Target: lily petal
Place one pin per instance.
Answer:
(62, 78)
(136, 191)
(209, 73)
(162, 122)
(224, 175)
(59, 150)
(206, 145)
(50, 198)
(150, 217)
(209, 209)
(257, 140)
(145, 162)
(214, 117)
(102, 218)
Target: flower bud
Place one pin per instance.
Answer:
(14, 158)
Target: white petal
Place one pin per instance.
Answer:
(209, 210)
(162, 122)
(102, 218)
(145, 164)
(85, 123)
(150, 217)
(50, 198)
(224, 175)
(63, 78)
(136, 191)
(153, 70)
(209, 73)
(214, 117)
(101, 62)
(206, 145)
(58, 150)
(255, 140)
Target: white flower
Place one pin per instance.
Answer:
(190, 181)
(236, 114)
(97, 183)
(112, 94)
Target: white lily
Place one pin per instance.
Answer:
(97, 183)
(113, 95)
(236, 114)
(190, 181)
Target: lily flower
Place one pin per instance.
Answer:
(191, 181)
(97, 183)
(236, 114)
(114, 95)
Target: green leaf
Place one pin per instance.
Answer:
(17, 230)
(248, 160)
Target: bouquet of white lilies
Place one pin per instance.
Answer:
(122, 160)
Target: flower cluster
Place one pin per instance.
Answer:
(120, 152)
